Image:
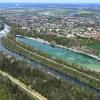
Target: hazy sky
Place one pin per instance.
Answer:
(53, 1)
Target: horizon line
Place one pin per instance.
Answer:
(54, 2)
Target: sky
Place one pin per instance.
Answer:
(52, 1)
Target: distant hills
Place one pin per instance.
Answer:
(46, 5)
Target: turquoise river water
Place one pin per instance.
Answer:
(63, 54)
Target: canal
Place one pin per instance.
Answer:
(66, 55)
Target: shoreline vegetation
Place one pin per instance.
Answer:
(46, 84)
(78, 74)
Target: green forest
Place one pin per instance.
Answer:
(49, 86)
(9, 91)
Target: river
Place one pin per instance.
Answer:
(44, 67)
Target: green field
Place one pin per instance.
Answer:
(85, 12)
(95, 46)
